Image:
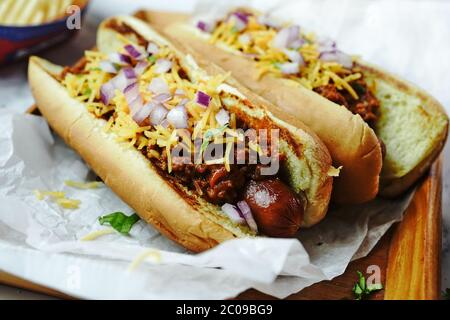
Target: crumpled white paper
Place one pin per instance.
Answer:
(40, 242)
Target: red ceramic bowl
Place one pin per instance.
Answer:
(18, 42)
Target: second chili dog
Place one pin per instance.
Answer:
(384, 131)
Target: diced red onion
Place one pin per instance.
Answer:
(286, 36)
(281, 39)
(205, 26)
(135, 52)
(107, 92)
(152, 48)
(202, 26)
(242, 16)
(133, 97)
(158, 86)
(140, 67)
(328, 56)
(158, 114)
(178, 117)
(107, 67)
(184, 133)
(289, 67)
(296, 44)
(251, 55)
(268, 21)
(247, 213)
(120, 81)
(183, 102)
(326, 45)
(245, 39)
(203, 99)
(293, 55)
(180, 92)
(136, 105)
(163, 65)
(162, 97)
(120, 59)
(223, 117)
(132, 51)
(131, 92)
(239, 24)
(344, 59)
(164, 123)
(129, 73)
(233, 213)
(143, 112)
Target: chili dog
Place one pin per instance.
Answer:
(372, 122)
(134, 110)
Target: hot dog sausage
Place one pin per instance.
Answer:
(277, 210)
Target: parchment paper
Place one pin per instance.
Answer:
(41, 242)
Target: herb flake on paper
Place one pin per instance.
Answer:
(119, 221)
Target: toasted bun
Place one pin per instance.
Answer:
(413, 126)
(171, 208)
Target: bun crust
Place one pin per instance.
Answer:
(424, 122)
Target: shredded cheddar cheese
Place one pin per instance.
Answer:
(157, 141)
(334, 172)
(155, 256)
(259, 46)
(59, 197)
(83, 185)
(97, 234)
(68, 203)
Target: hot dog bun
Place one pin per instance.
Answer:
(413, 125)
(175, 211)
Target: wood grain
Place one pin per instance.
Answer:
(414, 258)
(14, 281)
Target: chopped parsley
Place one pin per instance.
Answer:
(119, 221)
(87, 92)
(210, 134)
(362, 290)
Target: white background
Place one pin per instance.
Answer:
(407, 37)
